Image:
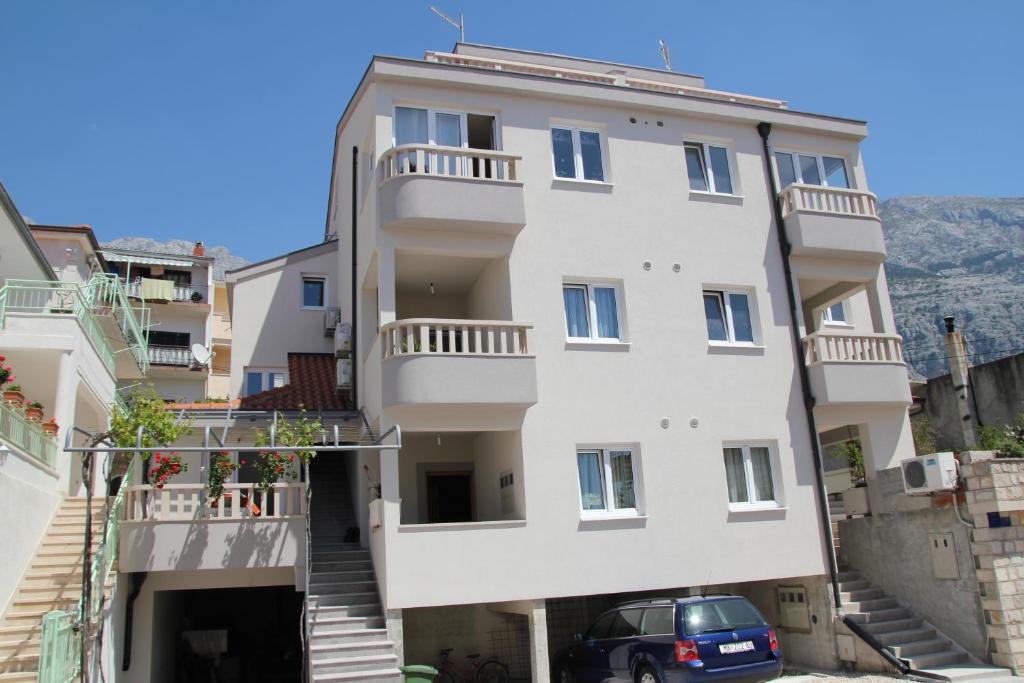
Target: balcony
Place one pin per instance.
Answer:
(856, 369)
(451, 188)
(156, 290)
(833, 222)
(26, 436)
(478, 372)
(179, 527)
(170, 356)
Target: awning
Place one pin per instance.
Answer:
(146, 260)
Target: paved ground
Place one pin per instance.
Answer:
(836, 676)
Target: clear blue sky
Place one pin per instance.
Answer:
(196, 119)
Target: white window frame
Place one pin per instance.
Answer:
(588, 286)
(819, 160)
(748, 472)
(432, 113)
(302, 291)
(709, 176)
(577, 152)
(828, 321)
(725, 296)
(604, 450)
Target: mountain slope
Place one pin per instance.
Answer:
(959, 256)
(222, 258)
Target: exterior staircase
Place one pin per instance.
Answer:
(925, 649)
(348, 636)
(52, 582)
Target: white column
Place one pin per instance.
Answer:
(68, 466)
(540, 663)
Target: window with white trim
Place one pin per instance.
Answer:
(836, 315)
(257, 380)
(707, 167)
(730, 317)
(578, 153)
(592, 311)
(811, 169)
(750, 476)
(608, 481)
(314, 291)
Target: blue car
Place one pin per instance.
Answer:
(674, 640)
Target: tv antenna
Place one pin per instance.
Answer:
(460, 24)
(663, 48)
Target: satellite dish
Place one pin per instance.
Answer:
(201, 355)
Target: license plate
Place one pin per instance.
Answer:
(733, 648)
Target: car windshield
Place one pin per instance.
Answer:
(719, 616)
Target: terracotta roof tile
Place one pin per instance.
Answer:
(312, 385)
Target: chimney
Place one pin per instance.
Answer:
(199, 250)
(958, 372)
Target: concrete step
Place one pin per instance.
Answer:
(340, 555)
(870, 606)
(968, 671)
(371, 609)
(861, 594)
(847, 575)
(17, 663)
(11, 648)
(388, 675)
(908, 636)
(22, 632)
(856, 585)
(352, 635)
(901, 624)
(332, 624)
(343, 588)
(937, 659)
(345, 599)
(340, 566)
(875, 616)
(921, 647)
(316, 578)
(355, 663)
(327, 650)
(18, 677)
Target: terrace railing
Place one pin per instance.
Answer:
(27, 436)
(455, 162)
(852, 348)
(106, 292)
(828, 200)
(455, 337)
(191, 502)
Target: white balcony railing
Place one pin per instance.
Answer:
(189, 502)
(829, 200)
(170, 355)
(455, 162)
(455, 337)
(852, 348)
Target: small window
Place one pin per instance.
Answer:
(749, 475)
(263, 380)
(577, 154)
(835, 314)
(607, 481)
(592, 312)
(658, 621)
(699, 158)
(729, 317)
(628, 624)
(312, 292)
(811, 169)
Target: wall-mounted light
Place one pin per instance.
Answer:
(438, 439)
(431, 287)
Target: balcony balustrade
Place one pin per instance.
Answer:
(856, 369)
(832, 222)
(27, 436)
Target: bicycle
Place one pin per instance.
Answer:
(479, 670)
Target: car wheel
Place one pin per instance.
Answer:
(564, 675)
(646, 674)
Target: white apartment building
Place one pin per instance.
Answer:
(573, 330)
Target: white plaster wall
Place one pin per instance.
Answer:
(69, 267)
(17, 262)
(268, 320)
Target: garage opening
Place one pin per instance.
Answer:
(227, 635)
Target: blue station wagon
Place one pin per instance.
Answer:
(674, 640)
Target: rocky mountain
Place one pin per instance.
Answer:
(222, 258)
(959, 256)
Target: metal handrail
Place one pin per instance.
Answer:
(106, 289)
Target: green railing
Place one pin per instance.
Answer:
(60, 648)
(61, 635)
(27, 436)
(41, 296)
(106, 292)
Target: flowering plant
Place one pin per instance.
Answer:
(166, 467)
(221, 469)
(6, 372)
(275, 465)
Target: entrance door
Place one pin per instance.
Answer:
(449, 497)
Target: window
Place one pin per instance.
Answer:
(602, 627)
(592, 312)
(729, 317)
(312, 292)
(835, 314)
(165, 338)
(416, 126)
(811, 169)
(607, 481)
(627, 625)
(263, 380)
(577, 154)
(699, 158)
(751, 481)
(658, 621)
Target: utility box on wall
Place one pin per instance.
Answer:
(794, 611)
(943, 554)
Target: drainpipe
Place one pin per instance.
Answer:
(355, 243)
(765, 129)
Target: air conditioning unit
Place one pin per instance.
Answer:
(929, 473)
(332, 316)
(343, 340)
(344, 366)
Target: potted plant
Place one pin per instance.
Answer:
(34, 411)
(50, 427)
(166, 467)
(13, 395)
(197, 297)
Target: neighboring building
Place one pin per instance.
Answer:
(219, 384)
(179, 290)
